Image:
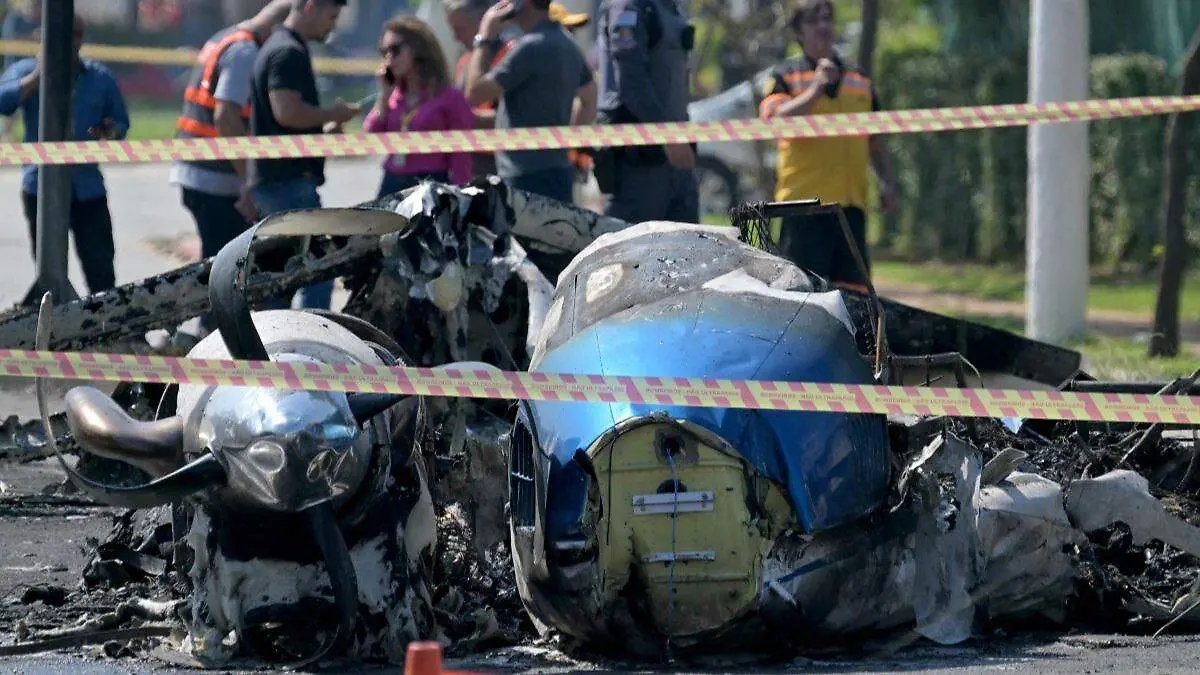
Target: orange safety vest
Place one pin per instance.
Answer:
(834, 169)
(198, 119)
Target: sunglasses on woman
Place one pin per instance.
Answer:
(391, 50)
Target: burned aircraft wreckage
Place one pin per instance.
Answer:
(638, 529)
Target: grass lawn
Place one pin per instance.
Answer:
(152, 122)
(1109, 358)
(1008, 283)
(1117, 359)
(147, 122)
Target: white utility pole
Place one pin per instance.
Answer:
(1057, 239)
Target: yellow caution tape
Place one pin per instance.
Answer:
(654, 391)
(177, 57)
(550, 138)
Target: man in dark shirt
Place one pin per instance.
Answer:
(543, 81)
(284, 100)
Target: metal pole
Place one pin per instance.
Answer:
(54, 123)
(1057, 243)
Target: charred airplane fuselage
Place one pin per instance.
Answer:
(309, 527)
(638, 523)
(255, 572)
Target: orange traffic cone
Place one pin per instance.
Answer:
(424, 658)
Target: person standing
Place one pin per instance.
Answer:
(543, 81)
(820, 82)
(415, 94)
(643, 47)
(98, 113)
(22, 22)
(284, 101)
(216, 103)
(464, 17)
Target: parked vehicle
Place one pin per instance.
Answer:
(729, 170)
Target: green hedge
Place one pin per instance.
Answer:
(964, 192)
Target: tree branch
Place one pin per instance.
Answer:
(1165, 338)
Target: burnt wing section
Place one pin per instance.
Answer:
(915, 332)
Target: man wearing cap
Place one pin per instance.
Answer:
(820, 82)
(643, 47)
(543, 81)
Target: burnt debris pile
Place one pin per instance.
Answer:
(475, 595)
(1125, 584)
(639, 530)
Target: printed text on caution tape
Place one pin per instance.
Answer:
(549, 138)
(663, 391)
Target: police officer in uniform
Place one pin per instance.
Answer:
(643, 48)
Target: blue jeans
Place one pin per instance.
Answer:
(301, 193)
(553, 183)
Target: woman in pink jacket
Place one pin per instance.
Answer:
(415, 94)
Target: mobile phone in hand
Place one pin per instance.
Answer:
(831, 90)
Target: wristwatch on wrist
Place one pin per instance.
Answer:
(481, 41)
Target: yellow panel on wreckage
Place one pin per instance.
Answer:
(726, 518)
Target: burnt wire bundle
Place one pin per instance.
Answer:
(754, 226)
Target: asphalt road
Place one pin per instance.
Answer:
(144, 207)
(148, 220)
(47, 549)
(1031, 654)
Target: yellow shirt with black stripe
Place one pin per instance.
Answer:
(830, 169)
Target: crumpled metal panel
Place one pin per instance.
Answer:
(954, 547)
(301, 449)
(685, 301)
(651, 262)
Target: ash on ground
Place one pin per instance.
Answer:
(475, 592)
(133, 576)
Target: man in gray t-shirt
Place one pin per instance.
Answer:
(542, 81)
